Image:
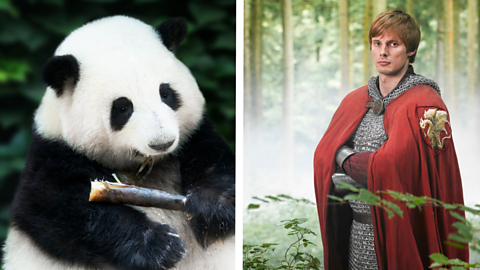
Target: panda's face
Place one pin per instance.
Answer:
(132, 98)
(147, 126)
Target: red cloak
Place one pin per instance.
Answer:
(406, 163)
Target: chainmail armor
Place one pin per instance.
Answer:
(369, 136)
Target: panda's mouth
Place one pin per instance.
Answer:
(141, 156)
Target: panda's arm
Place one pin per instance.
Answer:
(51, 206)
(208, 180)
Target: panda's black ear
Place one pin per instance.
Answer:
(172, 32)
(60, 71)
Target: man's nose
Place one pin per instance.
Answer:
(383, 50)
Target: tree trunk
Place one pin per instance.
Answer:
(440, 50)
(318, 38)
(256, 54)
(288, 88)
(410, 8)
(478, 45)
(247, 94)
(379, 6)
(344, 54)
(471, 53)
(457, 68)
(449, 54)
(247, 77)
(367, 57)
(350, 70)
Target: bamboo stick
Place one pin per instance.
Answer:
(118, 193)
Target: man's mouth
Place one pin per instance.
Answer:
(383, 63)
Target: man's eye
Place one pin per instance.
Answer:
(376, 43)
(394, 44)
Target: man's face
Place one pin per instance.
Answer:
(390, 54)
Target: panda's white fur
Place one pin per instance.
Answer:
(112, 53)
(109, 51)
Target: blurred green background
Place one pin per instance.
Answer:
(30, 30)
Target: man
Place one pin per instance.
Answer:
(392, 134)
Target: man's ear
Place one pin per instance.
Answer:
(411, 53)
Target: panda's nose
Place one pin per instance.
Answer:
(162, 146)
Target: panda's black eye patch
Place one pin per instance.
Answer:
(122, 109)
(170, 96)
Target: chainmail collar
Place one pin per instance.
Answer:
(409, 80)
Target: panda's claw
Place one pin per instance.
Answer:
(160, 248)
(173, 234)
(144, 164)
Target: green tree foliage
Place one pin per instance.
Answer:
(30, 31)
(258, 255)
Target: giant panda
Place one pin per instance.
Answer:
(118, 97)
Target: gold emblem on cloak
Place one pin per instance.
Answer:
(436, 121)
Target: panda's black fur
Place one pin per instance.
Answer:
(58, 70)
(51, 205)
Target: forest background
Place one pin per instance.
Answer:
(301, 57)
(31, 30)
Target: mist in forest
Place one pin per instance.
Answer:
(263, 174)
(465, 132)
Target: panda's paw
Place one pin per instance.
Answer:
(212, 214)
(162, 248)
(167, 246)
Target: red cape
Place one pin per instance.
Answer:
(406, 163)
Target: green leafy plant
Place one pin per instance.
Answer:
(294, 258)
(278, 198)
(257, 256)
(367, 196)
(455, 264)
(466, 233)
(254, 256)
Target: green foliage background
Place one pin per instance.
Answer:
(264, 225)
(30, 30)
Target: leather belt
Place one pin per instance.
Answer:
(362, 218)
